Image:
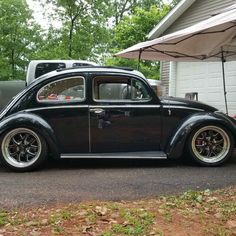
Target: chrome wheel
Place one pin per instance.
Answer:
(210, 144)
(21, 147)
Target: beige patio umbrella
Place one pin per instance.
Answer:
(213, 39)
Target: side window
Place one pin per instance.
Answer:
(64, 90)
(80, 64)
(119, 89)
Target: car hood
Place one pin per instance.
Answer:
(173, 101)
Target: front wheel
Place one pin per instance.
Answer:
(210, 145)
(22, 149)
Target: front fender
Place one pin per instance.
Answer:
(175, 147)
(34, 122)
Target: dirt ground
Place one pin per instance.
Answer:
(192, 213)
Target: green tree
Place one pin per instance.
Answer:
(18, 38)
(51, 46)
(134, 29)
(121, 8)
(92, 30)
(84, 30)
(87, 25)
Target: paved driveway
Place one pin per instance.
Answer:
(77, 180)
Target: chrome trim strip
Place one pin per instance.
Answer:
(111, 106)
(91, 107)
(77, 156)
(56, 107)
(181, 107)
(123, 100)
(124, 106)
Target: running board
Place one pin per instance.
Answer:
(119, 155)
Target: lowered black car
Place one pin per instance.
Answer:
(110, 113)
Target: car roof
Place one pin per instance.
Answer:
(121, 70)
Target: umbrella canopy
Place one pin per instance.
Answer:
(213, 39)
(209, 40)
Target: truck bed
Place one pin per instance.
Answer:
(8, 89)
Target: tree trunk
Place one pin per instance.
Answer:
(13, 64)
(72, 24)
(71, 37)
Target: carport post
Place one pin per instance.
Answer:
(223, 72)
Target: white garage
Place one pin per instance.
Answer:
(205, 79)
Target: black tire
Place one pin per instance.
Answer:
(210, 145)
(23, 149)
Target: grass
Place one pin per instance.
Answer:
(3, 217)
(134, 222)
(199, 212)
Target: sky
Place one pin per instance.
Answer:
(39, 14)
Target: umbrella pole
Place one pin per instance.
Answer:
(223, 72)
(139, 59)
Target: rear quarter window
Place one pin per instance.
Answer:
(64, 90)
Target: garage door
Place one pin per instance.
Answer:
(206, 79)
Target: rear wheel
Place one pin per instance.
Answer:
(23, 149)
(210, 145)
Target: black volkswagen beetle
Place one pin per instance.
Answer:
(103, 112)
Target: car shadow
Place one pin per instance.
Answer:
(67, 164)
(123, 163)
(107, 163)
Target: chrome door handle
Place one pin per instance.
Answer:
(97, 110)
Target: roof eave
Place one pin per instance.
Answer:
(170, 18)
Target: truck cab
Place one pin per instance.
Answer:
(37, 68)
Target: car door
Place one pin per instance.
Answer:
(124, 115)
(63, 104)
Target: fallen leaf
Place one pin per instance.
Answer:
(212, 199)
(195, 211)
(218, 215)
(198, 205)
(101, 210)
(231, 224)
(85, 229)
(82, 213)
(44, 222)
(113, 222)
(31, 223)
(126, 223)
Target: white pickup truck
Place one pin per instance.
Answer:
(36, 68)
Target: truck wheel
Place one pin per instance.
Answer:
(210, 145)
(23, 149)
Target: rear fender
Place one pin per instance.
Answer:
(34, 122)
(175, 147)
